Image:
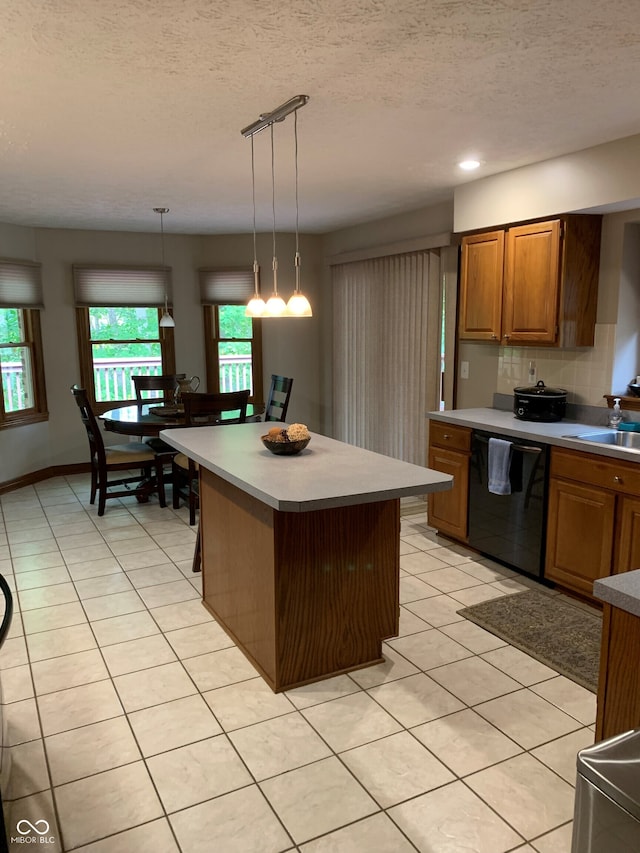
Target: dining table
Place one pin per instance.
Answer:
(148, 419)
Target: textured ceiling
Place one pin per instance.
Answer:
(109, 108)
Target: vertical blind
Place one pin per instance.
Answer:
(20, 284)
(386, 358)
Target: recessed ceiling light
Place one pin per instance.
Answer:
(469, 165)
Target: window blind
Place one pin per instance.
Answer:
(20, 284)
(127, 287)
(225, 286)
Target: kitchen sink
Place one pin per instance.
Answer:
(629, 440)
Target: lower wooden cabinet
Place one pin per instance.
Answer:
(593, 527)
(449, 450)
(619, 682)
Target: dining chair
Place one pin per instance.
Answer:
(119, 457)
(167, 383)
(278, 398)
(202, 410)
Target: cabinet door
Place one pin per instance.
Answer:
(448, 510)
(481, 267)
(532, 284)
(579, 534)
(628, 556)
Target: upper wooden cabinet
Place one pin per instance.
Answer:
(531, 284)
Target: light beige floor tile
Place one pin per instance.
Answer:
(528, 795)
(247, 702)
(473, 680)
(80, 555)
(196, 583)
(47, 596)
(36, 808)
(106, 803)
(277, 745)
(465, 742)
(143, 559)
(472, 637)
(118, 604)
(28, 770)
(406, 548)
(410, 623)
(79, 540)
(561, 754)
(221, 824)
(154, 837)
(119, 629)
(95, 568)
(173, 724)
(124, 531)
(16, 682)
(394, 666)
(420, 562)
(14, 653)
(29, 534)
(182, 536)
(415, 700)
(486, 570)
(22, 722)
(451, 819)
(182, 615)
(570, 698)
(63, 641)
(350, 721)
(217, 669)
(396, 768)
(64, 527)
(198, 639)
(167, 593)
(78, 706)
(450, 579)
(414, 589)
(557, 841)
(518, 665)
(316, 799)
(453, 555)
(132, 546)
(176, 553)
(68, 671)
(183, 776)
(420, 538)
(476, 595)
(29, 549)
(90, 749)
(437, 611)
(147, 687)
(429, 649)
(526, 718)
(17, 524)
(38, 561)
(164, 573)
(375, 834)
(322, 691)
(106, 585)
(133, 655)
(42, 578)
(517, 583)
(16, 628)
(50, 618)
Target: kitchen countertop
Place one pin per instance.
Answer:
(328, 473)
(622, 591)
(559, 434)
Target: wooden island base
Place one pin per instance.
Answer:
(305, 595)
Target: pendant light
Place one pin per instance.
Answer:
(298, 304)
(256, 305)
(276, 306)
(166, 321)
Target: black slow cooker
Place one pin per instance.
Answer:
(539, 403)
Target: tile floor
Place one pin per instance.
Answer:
(137, 727)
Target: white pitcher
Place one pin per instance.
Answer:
(186, 386)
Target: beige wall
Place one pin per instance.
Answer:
(292, 347)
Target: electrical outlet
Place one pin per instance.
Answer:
(464, 370)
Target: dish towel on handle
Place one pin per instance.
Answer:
(498, 466)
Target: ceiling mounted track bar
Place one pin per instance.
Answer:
(279, 114)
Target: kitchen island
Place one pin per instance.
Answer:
(300, 554)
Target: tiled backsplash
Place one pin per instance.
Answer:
(584, 373)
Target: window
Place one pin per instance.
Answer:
(118, 316)
(233, 342)
(23, 398)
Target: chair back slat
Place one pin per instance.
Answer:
(278, 399)
(206, 409)
(167, 383)
(94, 433)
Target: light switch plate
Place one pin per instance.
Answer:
(464, 370)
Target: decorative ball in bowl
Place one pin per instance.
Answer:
(285, 441)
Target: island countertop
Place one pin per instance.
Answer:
(328, 473)
(621, 591)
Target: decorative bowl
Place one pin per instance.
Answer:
(634, 389)
(284, 448)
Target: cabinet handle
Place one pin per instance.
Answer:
(494, 337)
(446, 436)
(617, 479)
(506, 337)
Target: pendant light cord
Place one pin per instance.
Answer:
(295, 137)
(253, 193)
(273, 211)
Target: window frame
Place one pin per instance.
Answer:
(85, 355)
(33, 342)
(212, 339)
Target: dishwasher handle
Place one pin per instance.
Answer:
(521, 448)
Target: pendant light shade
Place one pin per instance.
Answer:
(166, 321)
(298, 304)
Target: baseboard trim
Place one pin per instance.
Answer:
(44, 474)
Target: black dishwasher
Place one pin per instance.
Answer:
(510, 528)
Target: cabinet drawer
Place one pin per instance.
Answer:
(446, 435)
(618, 476)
